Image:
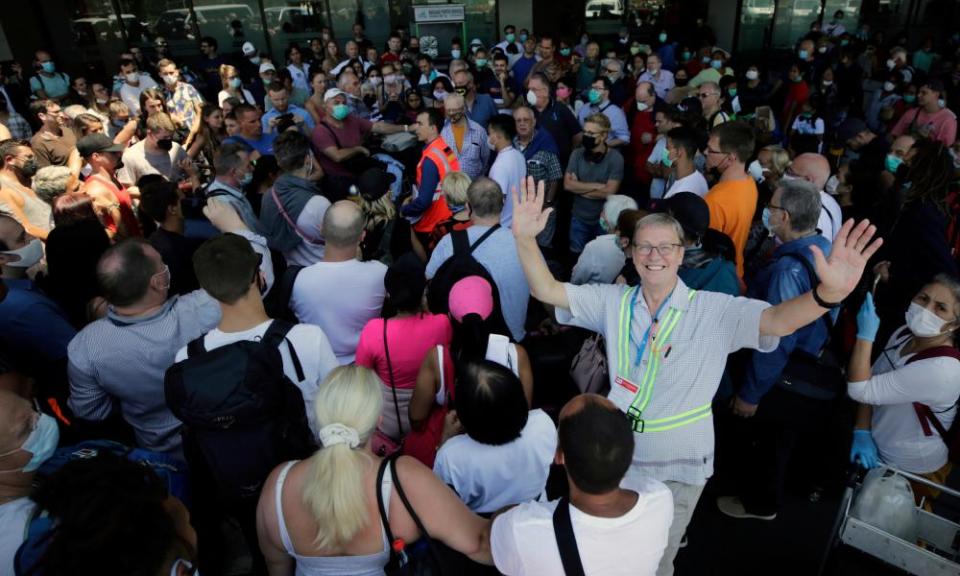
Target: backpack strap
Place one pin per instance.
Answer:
(277, 333)
(567, 540)
(925, 413)
(461, 242)
(196, 346)
(291, 222)
(485, 235)
(393, 385)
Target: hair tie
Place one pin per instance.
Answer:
(336, 433)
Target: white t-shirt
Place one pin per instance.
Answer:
(340, 297)
(695, 183)
(658, 185)
(247, 97)
(310, 221)
(508, 170)
(131, 94)
(523, 541)
(312, 348)
(831, 219)
(487, 478)
(14, 517)
(138, 162)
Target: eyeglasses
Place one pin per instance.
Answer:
(593, 134)
(664, 250)
(609, 71)
(708, 94)
(775, 207)
(709, 151)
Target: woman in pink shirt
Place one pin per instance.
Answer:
(394, 348)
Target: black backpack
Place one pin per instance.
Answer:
(457, 267)
(241, 415)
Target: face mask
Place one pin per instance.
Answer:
(235, 83)
(491, 146)
(732, 92)
(892, 162)
(589, 143)
(482, 62)
(891, 64)
(844, 42)
(29, 254)
(752, 74)
(594, 96)
(255, 60)
(665, 159)
(614, 77)
(563, 93)
(803, 54)
(455, 54)
(766, 221)
(756, 171)
(828, 83)
(341, 111)
(532, 97)
(511, 37)
(681, 81)
(888, 86)
(41, 442)
(132, 77)
(119, 123)
(170, 79)
(942, 103)
(246, 179)
(685, 55)
(822, 49)
(29, 168)
(923, 322)
(705, 59)
(165, 144)
(102, 101)
(716, 64)
(797, 79)
(909, 98)
(662, 37)
(440, 95)
(177, 563)
(523, 38)
(642, 107)
(564, 52)
(376, 80)
(49, 67)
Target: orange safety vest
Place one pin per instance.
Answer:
(446, 161)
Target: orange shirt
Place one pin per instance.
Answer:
(732, 204)
(459, 130)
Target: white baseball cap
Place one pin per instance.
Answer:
(267, 67)
(333, 93)
(248, 48)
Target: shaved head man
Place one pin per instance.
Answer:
(815, 168)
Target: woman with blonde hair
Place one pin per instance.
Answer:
(233, 86)
(321, 516)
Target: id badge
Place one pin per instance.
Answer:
(623, 392)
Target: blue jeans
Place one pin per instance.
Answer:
(582, 232)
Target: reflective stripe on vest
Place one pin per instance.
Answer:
(445, 160)
(645, 388)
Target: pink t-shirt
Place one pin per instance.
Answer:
(351, 134)
(410, 340)
(940, 126)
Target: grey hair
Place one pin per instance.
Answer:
(50, 182)
(801, 200)
(613, 206)
(661, 219)
(950, 283)
(485, 197)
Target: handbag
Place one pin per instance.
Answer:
(589, 367)
(566, 539)
(421, 558)
(819, 377)
(382, 444)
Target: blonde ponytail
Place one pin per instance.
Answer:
(351, 398)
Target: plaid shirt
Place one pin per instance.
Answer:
(18, 126)
(475, 154)
(181, 102)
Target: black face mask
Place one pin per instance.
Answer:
(680, 81)
(29, 168)
(589, 143)
(165, 144)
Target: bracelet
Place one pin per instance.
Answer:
(823, 303)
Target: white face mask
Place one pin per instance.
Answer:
(29, 254)
(170, 79)
(641, 106)
(756, 171)
(752, 74)
(531, 98)
(923, 322)
(888, 86)
(132, 77)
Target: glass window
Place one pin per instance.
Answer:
(97, 35)
(343, 14)
(755, 20)
(229, 24)
(793, 19)
(481, 20)
(603, 17)
(294, 22)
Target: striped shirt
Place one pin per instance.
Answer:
(710, 326)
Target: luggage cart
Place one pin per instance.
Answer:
(939, 554)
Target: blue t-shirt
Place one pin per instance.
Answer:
(55, 86)
(32, 326)
(264, 145)
(522, 67)
(484, 108)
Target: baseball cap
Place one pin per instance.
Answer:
(850, 128)
(373, 183)
(471, 295)
(267, 67)
(333, 93)
(97, 143)
(248, 49)
(690, 211)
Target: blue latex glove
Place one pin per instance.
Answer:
(865, 449)
(867, 320)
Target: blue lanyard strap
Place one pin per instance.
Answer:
(646, 334)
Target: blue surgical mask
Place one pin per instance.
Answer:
(594, 96)
(716, 64)
(455, 54)
(247, 178)
(341, 111)
(665, 159)
(49, 67)
(662, 37)
(766, 220)
(41, 443)
(523, 38)
(803, 54)
(511, 38)
(892, 162)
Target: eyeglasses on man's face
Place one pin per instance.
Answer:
(664, 250)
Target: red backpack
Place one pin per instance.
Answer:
(927, 416)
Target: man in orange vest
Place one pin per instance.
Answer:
(426, 207)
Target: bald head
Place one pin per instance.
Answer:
(343, 225)
(813, 168)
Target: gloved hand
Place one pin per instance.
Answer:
(867, 320)
(865, 449)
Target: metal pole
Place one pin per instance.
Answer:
(264, 29)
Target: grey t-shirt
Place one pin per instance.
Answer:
(610, 167)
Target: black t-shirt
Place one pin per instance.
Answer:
(559, 121)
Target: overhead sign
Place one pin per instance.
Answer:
(438, 13)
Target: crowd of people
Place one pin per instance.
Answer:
(298, 308)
